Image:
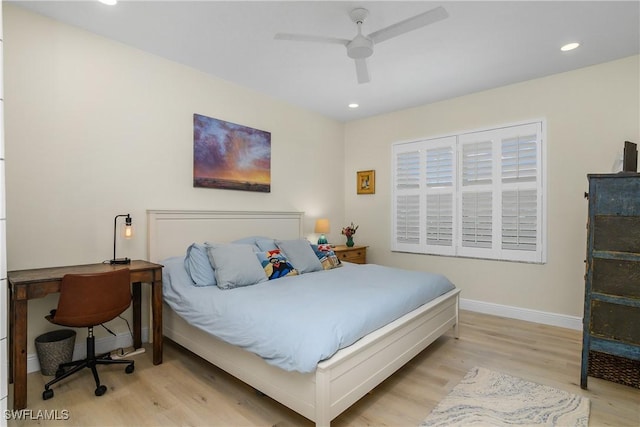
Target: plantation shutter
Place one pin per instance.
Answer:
(440, 219)
(476, 197)
(477, 220)
(408, 219)
(477, 194)
(521, 188)
(519, 220)
(406, 215)
(440, 183)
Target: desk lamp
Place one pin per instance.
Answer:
(322, 227)
(128, 233)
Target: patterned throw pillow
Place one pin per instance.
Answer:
(275, 264)
(327, 256)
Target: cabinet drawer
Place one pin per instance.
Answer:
(357, 256)
(616, 233)
(614, 321)
(616, 277)
(615, 195)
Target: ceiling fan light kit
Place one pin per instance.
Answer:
(361, 46)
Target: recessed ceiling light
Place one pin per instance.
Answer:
(108, 2)
(353, 105)
(569, 46)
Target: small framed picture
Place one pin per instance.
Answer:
(366, 182)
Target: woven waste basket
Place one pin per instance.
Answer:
(54, 348)
(614, 368)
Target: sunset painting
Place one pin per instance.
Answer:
(230, 156)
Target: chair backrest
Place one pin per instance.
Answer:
(91, 299)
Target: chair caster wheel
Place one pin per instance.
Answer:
(60, 372)
(47, 394)
(101, 390)
(129, 369)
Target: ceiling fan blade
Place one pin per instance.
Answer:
(362, 71)
(310, 38)
(410, 24)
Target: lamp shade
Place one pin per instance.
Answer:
(128, 228)
(322, 225)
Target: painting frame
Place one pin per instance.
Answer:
(366, 182)
(230, 156)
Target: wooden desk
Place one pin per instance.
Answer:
(29, 284)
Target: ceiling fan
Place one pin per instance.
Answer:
(361, 47)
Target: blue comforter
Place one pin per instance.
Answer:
(295, 322)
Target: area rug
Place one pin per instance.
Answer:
(489, 398)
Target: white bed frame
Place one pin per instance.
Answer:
(338, 382)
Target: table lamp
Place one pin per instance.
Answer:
(128, 233)
(322, 227)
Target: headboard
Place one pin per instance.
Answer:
(170, 232)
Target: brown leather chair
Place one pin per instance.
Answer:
(88, 300)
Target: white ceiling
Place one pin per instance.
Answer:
(481, 45)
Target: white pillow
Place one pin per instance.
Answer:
(235, 265)
(300, 255)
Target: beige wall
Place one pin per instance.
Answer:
(589, 114)
(95, 128)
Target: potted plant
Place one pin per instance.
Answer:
(349, 231)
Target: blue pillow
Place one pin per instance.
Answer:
(267, 245)
(300, 254)
(197, 264)
(252, 240)
(235, 265)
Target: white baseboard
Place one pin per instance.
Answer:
(103, 345)
(536, 316)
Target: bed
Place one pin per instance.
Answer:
(337, 382)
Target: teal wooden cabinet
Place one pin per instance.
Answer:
(611, 322)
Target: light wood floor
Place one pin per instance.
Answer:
(186, 391)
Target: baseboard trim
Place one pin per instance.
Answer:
(103, 345)
(536, 316)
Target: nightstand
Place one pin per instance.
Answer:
(355, 254)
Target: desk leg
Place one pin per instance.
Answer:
(19, 353)
(137, 314)
(156, 308)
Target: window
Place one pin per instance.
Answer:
(477, 194)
